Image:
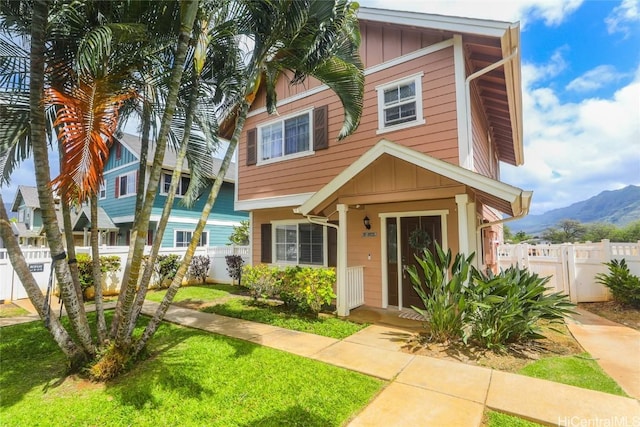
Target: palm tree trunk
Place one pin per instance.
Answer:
(75, 309)
(97, 272)
(153, 324)
(71, 248)
(143, 285)
(74, 353)
(120, 326)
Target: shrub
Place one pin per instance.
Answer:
(85, 269)
(624, 286)
(303, 289)
(313, 288)
(261, 280)
(445, 303)
(234, 267)
(199, 267)
(507, 307)
(166, 267)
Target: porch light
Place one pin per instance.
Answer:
(366, 222)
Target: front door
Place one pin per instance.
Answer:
(416, 234)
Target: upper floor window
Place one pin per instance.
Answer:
(400, 104)
(126, 184)
(296, 135)
(301, 243)
(181, 190)
(102, 193)
(183, 238)
(285, 138)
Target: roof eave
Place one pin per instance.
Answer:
(510, 41)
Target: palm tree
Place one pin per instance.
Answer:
(198, 81)
(314, 38)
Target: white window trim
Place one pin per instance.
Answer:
(179, 194)
(306, 153)
(129, 175)
(102, 190)
(175, 238)
(417, 79)
(296, 222)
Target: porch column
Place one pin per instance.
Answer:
(341, 262)
(466, 227)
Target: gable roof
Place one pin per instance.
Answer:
(485, 43)
(27, 194)
(133, 144)
(504, 197)
(83, 219)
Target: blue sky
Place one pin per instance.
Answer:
(581, 94)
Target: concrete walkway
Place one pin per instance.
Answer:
(424, 391)
(616, 348)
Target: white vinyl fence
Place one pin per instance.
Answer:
(39, 261)
(572, 267)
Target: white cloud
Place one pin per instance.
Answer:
(623, 17)
(576, 150)
(594, 79)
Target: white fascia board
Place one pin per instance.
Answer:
(177, 219)
(272, 202)
(472, 179)
(437, 22)
(513, 76)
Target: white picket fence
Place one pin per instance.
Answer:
(39, 261)
(572, 267)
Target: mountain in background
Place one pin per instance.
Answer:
(618, 207)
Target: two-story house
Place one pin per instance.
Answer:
(442, 110)
(118, 198)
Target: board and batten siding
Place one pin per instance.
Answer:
(438, 137)
(380, 43)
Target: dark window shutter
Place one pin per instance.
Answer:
(117, 187)
(118, 150)
(137, 181)
(252, 146)
(265, 246)
(332, 246)
(150, 237)
(320, 128)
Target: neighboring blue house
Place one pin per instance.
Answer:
(118, 198)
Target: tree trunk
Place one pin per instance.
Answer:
(74, 307)
(97, 271)
(143, 285)
(71, 248)
(124, 308)
(75, 354)
(152, 326)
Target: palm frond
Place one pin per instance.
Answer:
(86, 120)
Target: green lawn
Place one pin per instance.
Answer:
(327, 326)
(12, 310)
(192, 378)
(497, 419)
(577, 370)
(197, 293)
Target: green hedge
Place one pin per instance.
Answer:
(303, 289)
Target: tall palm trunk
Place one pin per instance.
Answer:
(124, 307)
(97, 271)
(152, 326)
(75, 308)
(74, 353)
(143, 285)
